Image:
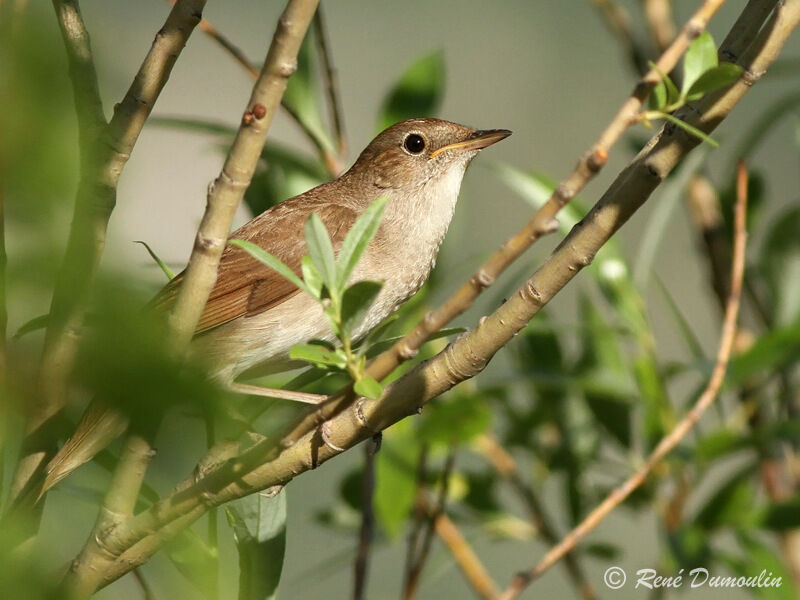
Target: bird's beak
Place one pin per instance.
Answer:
(476, 141)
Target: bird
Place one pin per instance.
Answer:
(254, 316)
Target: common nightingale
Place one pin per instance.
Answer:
(254, 316)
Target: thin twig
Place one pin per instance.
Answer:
(658, 14)
(147, 592)
(465, 557)
(329, 74)
(506, 466)
(418, 517)
(367, 531)
(669, 442)
(618, 23)
(433, 513)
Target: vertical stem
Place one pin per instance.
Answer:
(366, 533)
(329, 73)
(213, 522)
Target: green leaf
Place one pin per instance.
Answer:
(369, 388)
(758, 557)
(321, 251)
(282, 173)
(784, 515)
(194, 559)
(459, 418)
(418, 93)
(713, 79)
(771, 351)
(378, 347)
(167, 271)
(34, 324)
(780, 265)
(357, 239)
(194, 125)
(318, 355)
(356, 301)
(689, 128)
(259, 529)
(700, 57)
(311, 276)
(395, 477)
(665, 93)
(272, 262)
(731, 504)
(302, 94)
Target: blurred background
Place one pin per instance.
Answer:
(548, 70)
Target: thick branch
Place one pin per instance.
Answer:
(227, 191)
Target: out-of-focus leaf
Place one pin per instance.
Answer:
(602, 550)
(686, 331)
(368, 387)
(714, 79)
(34, 324)
(259, 528)
(382, 345)
(195, 560)
(281, 174)
(759, 558)
(302, 94)
(782, 515)
(167, 271)
(480, 494)
(357, 239)
(356, 302)
(731, 504)
(395, 477)
(418, 93)
(689, 545)
(457, 419)
(771, 351)
(780, 265)
(272, 262)
(699, 58)
(763, 123)
(614, 414)
(321, 251)
(719, 443)
(505, 526)
(318, 355)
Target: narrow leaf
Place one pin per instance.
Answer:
(691, 129)
(700, 57)
(382, 345)
(321, 251)
(357, 239)
(356, 301)
(368, 387)
(259, 528)
(713, 79)
(665, 93)
(167, 271)
(318, 355)
(34, 324)
(272, 262)
(311, 276)
(418, 92)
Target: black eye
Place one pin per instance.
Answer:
(414, 143)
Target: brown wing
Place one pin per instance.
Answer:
(245, 286)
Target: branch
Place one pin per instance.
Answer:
(668, 443)
(658, 14)
(104, 152)
(366, 532)
(260, 467)
(618, 23)
(329, 73)
(506, 466)
(332, 163)
(227, 191)
(465, 557)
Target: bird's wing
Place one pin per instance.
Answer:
(247, 287)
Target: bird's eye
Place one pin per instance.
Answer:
(414, 143)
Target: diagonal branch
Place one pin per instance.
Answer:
(104, 151)
(668, 443)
